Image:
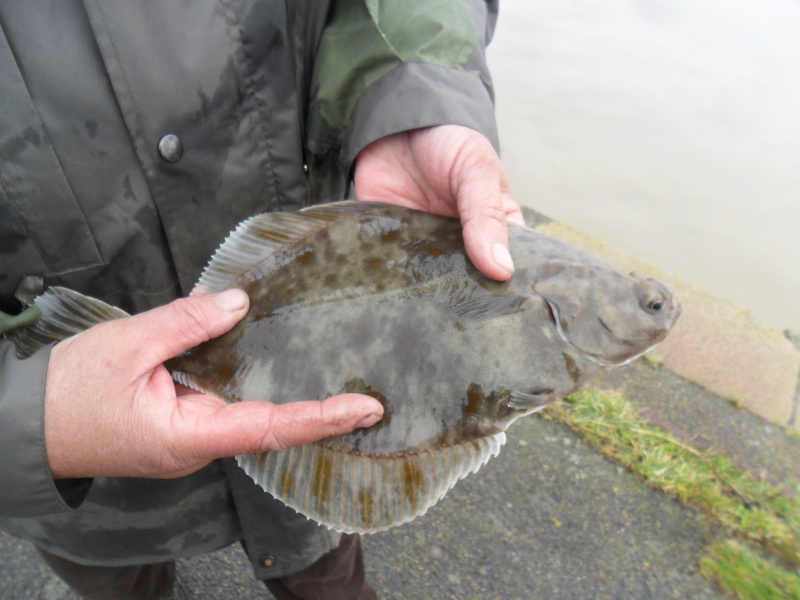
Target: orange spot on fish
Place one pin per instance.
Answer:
(306, 257)
(412, 477)
(322, 478)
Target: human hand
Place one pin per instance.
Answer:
(111, 408)
(447, 170)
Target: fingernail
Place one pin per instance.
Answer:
(501, 257)
(231, 300)
(369, 420)
(516, 220)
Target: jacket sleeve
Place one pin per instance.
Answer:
(27, 488)
(383, 67)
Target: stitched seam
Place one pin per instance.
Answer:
(10, 197)
(43, 256)
(137, 134)
(249, 91)
(120, 109)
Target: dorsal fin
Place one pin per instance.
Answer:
(64, 313)
(260, 236)
(352, 492)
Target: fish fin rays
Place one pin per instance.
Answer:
(491, 306)
(253, 241)
(259, 237)
(531, 401)
(351, 492)
(64, 313)
(190, 381)
(344, 206)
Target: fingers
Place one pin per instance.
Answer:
(303, 422)
(485, 205)
(513, 211)
(449, 170)
(142, 425)
(249, 427)
(486, 241)
(166, 331)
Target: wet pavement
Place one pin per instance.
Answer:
(548, 518)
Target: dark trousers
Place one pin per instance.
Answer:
(338, 575)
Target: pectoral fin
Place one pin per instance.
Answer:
(531, 401)
(491, 306)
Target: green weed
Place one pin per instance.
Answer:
(745, 575)
(752, 510)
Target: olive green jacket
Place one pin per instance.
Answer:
(133, 137)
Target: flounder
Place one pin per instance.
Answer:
(382, 300)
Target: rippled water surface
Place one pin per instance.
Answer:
(668, 128)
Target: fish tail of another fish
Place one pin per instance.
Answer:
(64, 313)
(361, 493)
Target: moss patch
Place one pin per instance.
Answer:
(751, 509)
(744, 574)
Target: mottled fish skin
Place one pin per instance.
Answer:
(379, 299)
(383, 300)
(367, 304)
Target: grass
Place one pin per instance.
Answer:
(653, 359)
(752, 510)
(793, 432)
(744, 574)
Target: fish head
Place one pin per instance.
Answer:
(607, 316)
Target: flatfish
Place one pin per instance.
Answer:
(382, 300)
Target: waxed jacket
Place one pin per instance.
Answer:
(133, 138)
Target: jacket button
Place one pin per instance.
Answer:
(170, 148)
(267, 560)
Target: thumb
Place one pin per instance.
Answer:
(483, 200)
(166, 331)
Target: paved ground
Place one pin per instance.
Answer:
(550, 518)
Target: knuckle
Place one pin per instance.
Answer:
(484, 213)
(190, 313)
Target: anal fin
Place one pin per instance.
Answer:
(361, 493)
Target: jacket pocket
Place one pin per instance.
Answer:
(43, 236)
(42, 228)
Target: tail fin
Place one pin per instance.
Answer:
(64, 314)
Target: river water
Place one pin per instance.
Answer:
(668, 128)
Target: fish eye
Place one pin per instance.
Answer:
(655, 304)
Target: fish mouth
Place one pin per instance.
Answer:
(552, 315)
